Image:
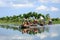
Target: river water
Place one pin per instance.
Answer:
(8, 33)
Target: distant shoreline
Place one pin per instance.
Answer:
(17, 23)
(31, 16)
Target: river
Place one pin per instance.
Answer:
(8, 33)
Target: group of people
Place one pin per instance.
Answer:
(29, 30)
(42, 22)
(29, 23)
(25, 26)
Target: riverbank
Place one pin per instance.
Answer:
(10, 22)
(19, 22)
(56, 22)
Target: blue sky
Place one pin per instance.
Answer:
(16, 7)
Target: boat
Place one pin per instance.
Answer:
(31, 26)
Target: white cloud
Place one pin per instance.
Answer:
(2, 3)
(55, 1)
(15, 4)
(54, 9)
(16, 37)
(45, 8)
(46, 35)
(54, 34)
(51, 1)
(42, 35)
(23, 5)
(43, 1)
(42, 7)
(30, 37)
(22, 37)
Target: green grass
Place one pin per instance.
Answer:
(20, 22)
(9, 22)
(56, 22)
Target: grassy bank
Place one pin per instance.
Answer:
(56, 22)
(20, 22)
(10, 22)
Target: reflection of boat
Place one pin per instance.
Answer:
(50, 22)
(32, 29)
(31, 26)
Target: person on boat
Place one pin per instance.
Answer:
(42, 21)
(50, 22)
(26, 24)
(35, 30)
(25, 30)
(35, 21)
(30, 23)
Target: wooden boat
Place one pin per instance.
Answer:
(31, 26)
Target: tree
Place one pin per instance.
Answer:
(41, 15)
(47, 17)
(3, 18)
(35, 14)
(20, 16)
(7, 18)
(30, 14)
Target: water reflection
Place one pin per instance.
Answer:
(48, 32)
(29, 30)
(8, 27)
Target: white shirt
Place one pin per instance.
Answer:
(41, 17)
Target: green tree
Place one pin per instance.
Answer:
(35, 14)
(30, 14)
(7, 18)
(47, 17)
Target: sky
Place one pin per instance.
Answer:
(16, 7)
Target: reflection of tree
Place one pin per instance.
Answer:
(9, 27)
(27, 30)
(35, 30)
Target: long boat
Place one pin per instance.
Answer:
(31, 26)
